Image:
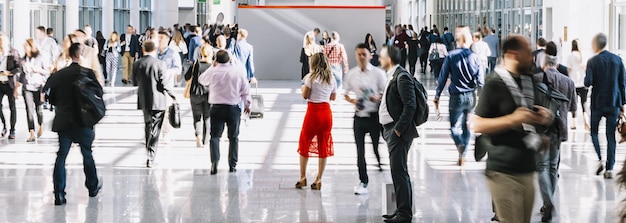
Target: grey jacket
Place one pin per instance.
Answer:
(148, 76)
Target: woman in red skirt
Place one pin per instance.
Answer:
(316, 140)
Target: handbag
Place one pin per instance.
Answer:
(435, 54)
(621, 127)
(174, 112)
(187, 92)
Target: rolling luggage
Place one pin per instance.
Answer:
(257, 106)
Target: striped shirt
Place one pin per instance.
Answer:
(336, 54)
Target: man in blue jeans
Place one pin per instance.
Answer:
(605, 72)
(465, 74)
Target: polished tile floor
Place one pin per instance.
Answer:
(180, 189)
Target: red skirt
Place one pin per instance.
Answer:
(315, 138)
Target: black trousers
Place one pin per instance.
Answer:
(229, 115)
(5, 89)
(200, 111)
(398, 152)
(153, 123)
(362, 126)
(403, 57)
(412, 62)
(32, 99)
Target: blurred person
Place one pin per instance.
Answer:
(64, 59)
(32, 80)
(50, 33)
(424, 45)
(448, 39)
(494, 46)
(71, 130)
(325, 38)
(130, 52)
(195, 43)
(228, 87)
(46, 46)
(371, 46)
(172, 69)
(309, 48)
(367, 83)
(230, 40)
(388, 35)
(336, 53)
(576, 69)
(89, 40)
(315, 137)
(244, 52)
(413, 53)
(112, 51)
(89, 57)
(466, 75)
(199, 94)
(481, 49)
(605, 72)
(179, 46)
(150, 79)
(9, 72)
(400, 41)
(441, 49)
(102, 55)
(539, 53)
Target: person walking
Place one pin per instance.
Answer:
(194, 43)
(605, 72)
(178, 45)
(440, 49)
(309, 49)
(413, 54)
(466, 74)
(172, 68)
(424, 49)
(504, 115)
(112, 51)
(315, 137)
(9, 70)
(400, 41)
(576, 69)
(150, 79)
(199, 95)
(337, 55)
(244, 52)
(396, 114)
(89, 56)
(228, 87)
(101, 41)
(367, 83)
(64, 58)
(48, 48)
(448, 39)
(481, 49)
(371, 46)
(32, 80)
(130, 52)
(70, 129)
(494, 46)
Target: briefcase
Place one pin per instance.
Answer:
(257, 106)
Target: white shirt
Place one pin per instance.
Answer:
(320, 91)
(365, 84)
(383, 113)
(180, 48)
(128, 38)
(575, 62)
(3, 67)
(481, 49)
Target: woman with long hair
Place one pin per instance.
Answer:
(371, 45)
(442, 51)
(199, 95)
(179, 45)
(576, 70)
(112, 49)
(7, 84)
(64, 58)
(325, 38)
(309, 48)
(32, 80)
(319, 89)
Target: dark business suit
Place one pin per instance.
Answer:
(8, 88)
(401, 104)
(129, 57)
(151, 98)
(70, 129)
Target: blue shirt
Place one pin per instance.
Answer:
(173, 66)
(605, 72)
(194, 43)
(464, 71)
(492, 41)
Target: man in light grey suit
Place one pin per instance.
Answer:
(151, 99)
(245, 54)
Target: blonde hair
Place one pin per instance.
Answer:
(221, 42)
(116, 39)
(206, 51)
(463, 34)
(320, 68)
(178, 37)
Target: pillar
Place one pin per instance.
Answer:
(108, 25)
(71, 15)
(164, 13)
(134, 15)
(21, 32)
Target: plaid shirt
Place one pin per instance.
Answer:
(336, 55)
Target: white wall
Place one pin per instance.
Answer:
(324, 2)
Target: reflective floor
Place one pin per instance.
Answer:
(180, 188)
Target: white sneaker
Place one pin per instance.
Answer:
(360, 189)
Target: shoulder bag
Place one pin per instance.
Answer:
(435, 54)
(187, 92)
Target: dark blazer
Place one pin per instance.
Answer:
(62, 95)
(134, 44)
(605, 72)
(148, 77)
(13, 66)
(402, 103)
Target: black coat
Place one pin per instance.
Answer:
(148, 74)
(13, 66)
(402, 103)
(134, 44)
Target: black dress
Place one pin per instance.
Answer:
(304, 59)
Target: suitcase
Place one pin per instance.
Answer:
(257, 106)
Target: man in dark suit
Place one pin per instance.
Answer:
(130, 52)
(71, 129)
(396, 114)
(151, 98)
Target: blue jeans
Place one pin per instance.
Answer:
(229, 115)
(547, 168)
(492, 63)
(461, 105)
(84, 137)
(338, 73)
(611, 114)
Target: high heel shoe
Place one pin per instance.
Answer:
(301, 184)
(316, 186)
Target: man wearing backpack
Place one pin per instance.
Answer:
(466, 74)
(70, 128)
(396, 114)
(448, 39)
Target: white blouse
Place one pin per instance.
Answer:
(320, 91)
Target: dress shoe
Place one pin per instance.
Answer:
(213, 168)
(232, 170)
(149, 163)
(124, 81)
(95, 192)
(398, 219)
(388, 216)
(59, 199)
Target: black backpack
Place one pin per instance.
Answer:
(421, 97)
(90, 102)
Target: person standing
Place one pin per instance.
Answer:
(539, 53)
(32, 79)
(507, 119)
(47, 47)
(605, 72)
(194, 43)
(172, 68)
(466, 74)
(400, 41)
(337, 55)
(367, 83)
(481, 49)
(494, 46)
(130, 52)
(576, 69)
(325, 38)
(199, 95)
(396, 114)
(245, 54)
(178, 44)
(228, 87)
(112, 51)
(309, 48)
(149, 77)
(371, 46)
(9, 70)
(70, 129)
(315, 137)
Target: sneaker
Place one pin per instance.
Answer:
(360, 189)
(608, 174)
(600, 168)
(12, 134)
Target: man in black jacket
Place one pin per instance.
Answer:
(71, 129)
(130, 52)
(396, 114)
(7, 87)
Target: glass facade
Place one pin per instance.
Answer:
(201, 15)
(121, 13)
(145, 15)
(90, 13)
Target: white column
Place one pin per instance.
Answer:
(134, 15)
(164, 13)
(71, 15)
(21, 24)
(108, 25)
